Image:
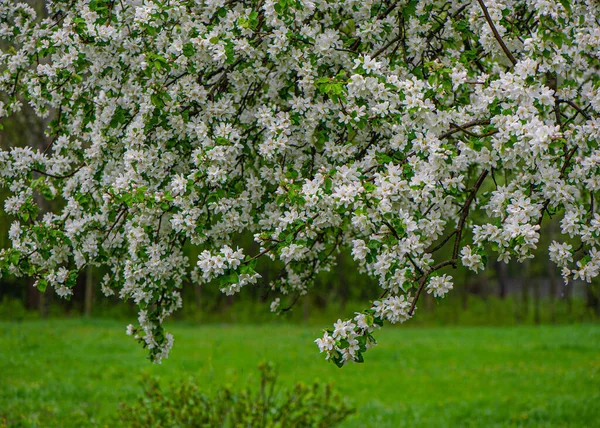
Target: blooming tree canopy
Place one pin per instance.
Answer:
(397, 130)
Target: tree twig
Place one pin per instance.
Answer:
(497, 36)
(459, 128)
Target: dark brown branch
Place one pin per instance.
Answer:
(291, 304)
(563, 170)
(414, 264)
(465, 213)
(458, 233)
(272, 247)
(423, 280)
(389, 226)
(389, 10)
(413, 304)
(71, 174)
(441, 244)
(497, 36)
(459, 128)
(572, 104)
(387, 45)
(472, 134)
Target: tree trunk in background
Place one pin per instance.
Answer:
(524, 282)
(502, 275)
(567, 295)
(37, 300)
(198, 297)
(43, 306)
(592, 298)
(306, 309)
(33, 297)
(464, 290)
(229, 300)
(342, 282)
(38, 5)
(553, 290)
(524, 300)
(89, 292)
(536, 300)
(428, 302)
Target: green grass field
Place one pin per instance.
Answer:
(75, 373)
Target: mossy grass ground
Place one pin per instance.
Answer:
(75, 373)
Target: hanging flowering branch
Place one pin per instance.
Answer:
(375, 126)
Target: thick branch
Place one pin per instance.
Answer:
(441, 244)
(497, 36)
(465, 213)
(576, 107)
(458, 232)
(563, 170)
(423, 280)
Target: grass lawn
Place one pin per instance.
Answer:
(75, 373)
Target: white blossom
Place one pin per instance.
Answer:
(440, 285)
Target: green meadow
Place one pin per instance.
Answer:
(75, 373)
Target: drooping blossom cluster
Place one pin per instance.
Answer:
(415, 134)
(349, 339)
(439, 285)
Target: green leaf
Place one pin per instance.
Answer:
(557, 38)
(189, 50)
(328, 185)
(337, 360)
(42, 284)
(383, 158)
(71, 279)
(14, 257)
(410, 9)
(253, 20)
(156, 100)
(566, 4)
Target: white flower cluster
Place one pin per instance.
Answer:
(471, 260)
(416, 135)
(518, 232)
(230, 266)
(440, 285)
(395, 309)
(349, 339)
(275, 304)
(213, 266)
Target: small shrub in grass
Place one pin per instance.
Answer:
(184, 405)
